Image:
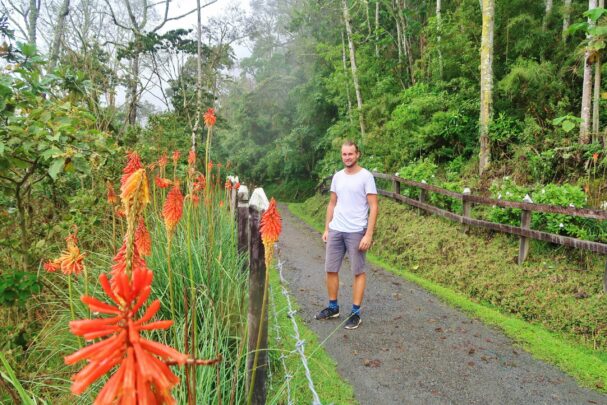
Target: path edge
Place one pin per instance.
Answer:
(586, 367)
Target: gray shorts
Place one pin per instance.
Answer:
(338, 243)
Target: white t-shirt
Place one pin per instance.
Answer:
(352, 209)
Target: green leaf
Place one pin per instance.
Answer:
(595, 13)
(12, 378)
(573, 28)
(1, 148)
(55, 168)
(568, 126)
(558, 120)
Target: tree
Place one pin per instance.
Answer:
(58, 34)
(585, 116)
(488, 12)
(359, 99)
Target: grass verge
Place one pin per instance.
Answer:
(331, 388)
(587, 366)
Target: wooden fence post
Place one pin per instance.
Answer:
(467, 208)
(243, 220)
(258, 310)
(523, 249)
(423, 198)
(395, 186)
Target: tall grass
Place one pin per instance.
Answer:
(206, 277)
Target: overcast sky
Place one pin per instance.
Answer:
(216, 9)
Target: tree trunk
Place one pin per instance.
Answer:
(133, 89)
(438, 38)
(34, 11)
(359, 99)
(406, 40)
(566, 16)
(596, 124)
(549, 5)
(586, 90)
(377, 29)
(58, 34)
(198, 125)
(343, 59)
(488, 12)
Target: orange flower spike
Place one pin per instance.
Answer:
(51, 266)
(176, 155)
(140, 372)
(271, 224)
(112, 198)
(162, 183)
(163, 160)
(71, 260)
(143, 240)
(201, 183)
(228, 185)
(173, 208)
(210, 166)
(135, 188)
(192, 158)
(133, 164)
(595, 157)
(270, 228)
(237, 186)
(209, 117)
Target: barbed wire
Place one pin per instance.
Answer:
(282, 355)
(299, 342)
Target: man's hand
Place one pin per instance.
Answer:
(325, 236)
(365, 243)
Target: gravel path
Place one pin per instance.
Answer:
(411, 348)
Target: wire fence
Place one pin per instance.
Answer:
(299, 342)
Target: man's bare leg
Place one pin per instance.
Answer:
(358, 288)
(332, 285)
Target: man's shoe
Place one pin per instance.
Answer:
(353, 321)
(327, 313)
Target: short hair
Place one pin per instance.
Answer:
(349, 142)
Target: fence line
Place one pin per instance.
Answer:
(282, 356)
(527, 208)
(299, 345)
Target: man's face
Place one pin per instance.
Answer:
(349, 155)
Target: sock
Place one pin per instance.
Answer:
(333, 304)
(356, 309)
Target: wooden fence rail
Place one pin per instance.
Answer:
(527, 208)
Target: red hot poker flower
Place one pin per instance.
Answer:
(143, 241)
(270, 228)
(112, 198)
(133, 164)
(71, 260)
(163, 160)
(209, 117)
(162, 183)
(228, 185)
(237, 185)
(173, 209)
(192, 157)
(142, 377)
(271, 224)
(595, 157)
(175, 157)
(201, 183)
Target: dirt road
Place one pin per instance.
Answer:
(411, 348)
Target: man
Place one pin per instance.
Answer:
(349, 226)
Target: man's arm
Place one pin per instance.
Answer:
(365, 242)
(329, 217)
